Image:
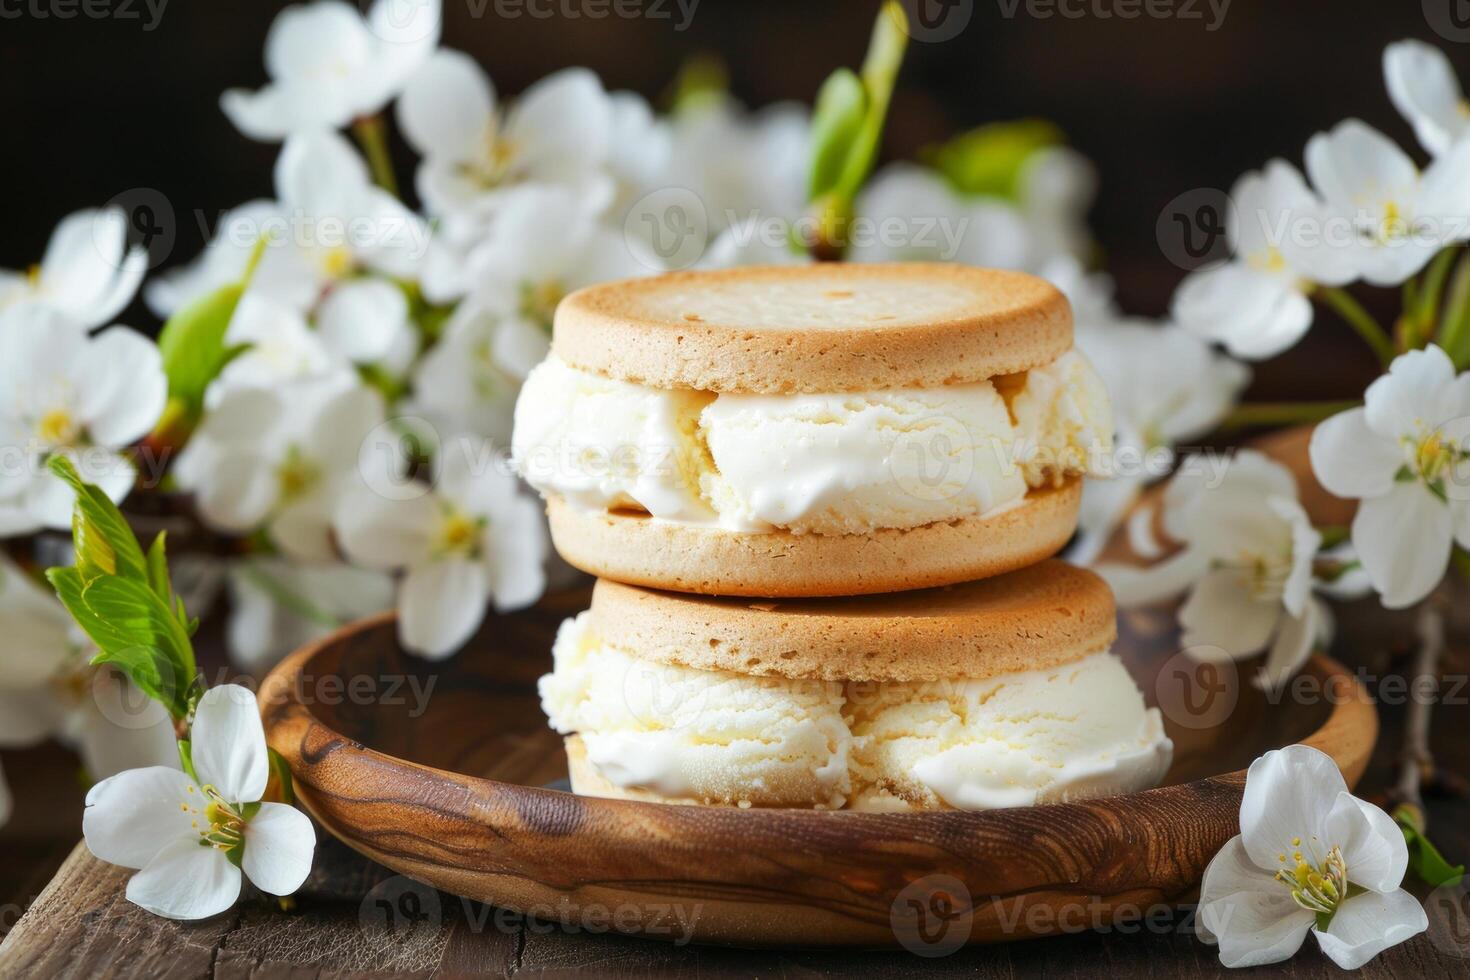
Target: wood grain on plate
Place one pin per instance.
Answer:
(408, 788)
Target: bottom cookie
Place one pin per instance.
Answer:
(639, 550)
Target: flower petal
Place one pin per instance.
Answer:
(1221, 612)
(1245, 911)
(127, 389)
(448, 108)
(1404, 540)
(1291, 647)
(186, 881)
(1288, 794)
(1398, 402)
(134, 815)
(1424, 89)
(1367, 924)
(385, 533)
(228, 745)
(1351, 459)
(1372, 844)
(360, 319)
(440, 605)
(279, 842)
(1141, 586)
(517, 548)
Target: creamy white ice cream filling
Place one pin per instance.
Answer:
(821, 463)
(1077, 731)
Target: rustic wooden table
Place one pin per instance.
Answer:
(357, 919)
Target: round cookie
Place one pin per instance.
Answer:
(1043, 616)
(634, 548)
(828, 327)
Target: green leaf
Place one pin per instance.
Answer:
(1454, 322)
(193, 346)
(157, 564)
(282, 772)
(841, 106)
(989, 160)
(101, 537)
(879, 74)
(133, 608)
(186, 758)
(1424, 858)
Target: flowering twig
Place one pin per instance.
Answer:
(1282, 413)
(1415, 760)
(373, 138)
(1360, 320)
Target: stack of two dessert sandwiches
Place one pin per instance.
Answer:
(821, 502)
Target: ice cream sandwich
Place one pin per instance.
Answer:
(1001, 692)
(822, 430)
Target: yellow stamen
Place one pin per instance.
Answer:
(58, 428)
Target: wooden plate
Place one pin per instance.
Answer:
(439, 771)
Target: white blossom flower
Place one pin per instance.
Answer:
(639, 146)
(1427, 93)
(1256, 303)
(558, 132)
(741, 164)
(910, 214)
(48, 688)
(1167, 386)
(546, 243)
(277, 605)
(280, 348)
(1394, 218)
(191, 836)
(281, 459)
(1248, 549)
(87, 273)
(338, 217)
(470, 538)
(1406, 456)
(328, 65)
(1310, 857)
(62, 391)
(287, 273)
(461, 385)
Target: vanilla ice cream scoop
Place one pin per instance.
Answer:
(1045, 736)
(709, 736)
(997, 693)
(1065, 419)
(849, 464)
(604, 444)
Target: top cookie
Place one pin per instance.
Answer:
(1046, 615)
(828, 327)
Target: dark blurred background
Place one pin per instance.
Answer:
(96, 106)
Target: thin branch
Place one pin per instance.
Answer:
(1258, 414)
(1415, 760)
(1360, 320)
